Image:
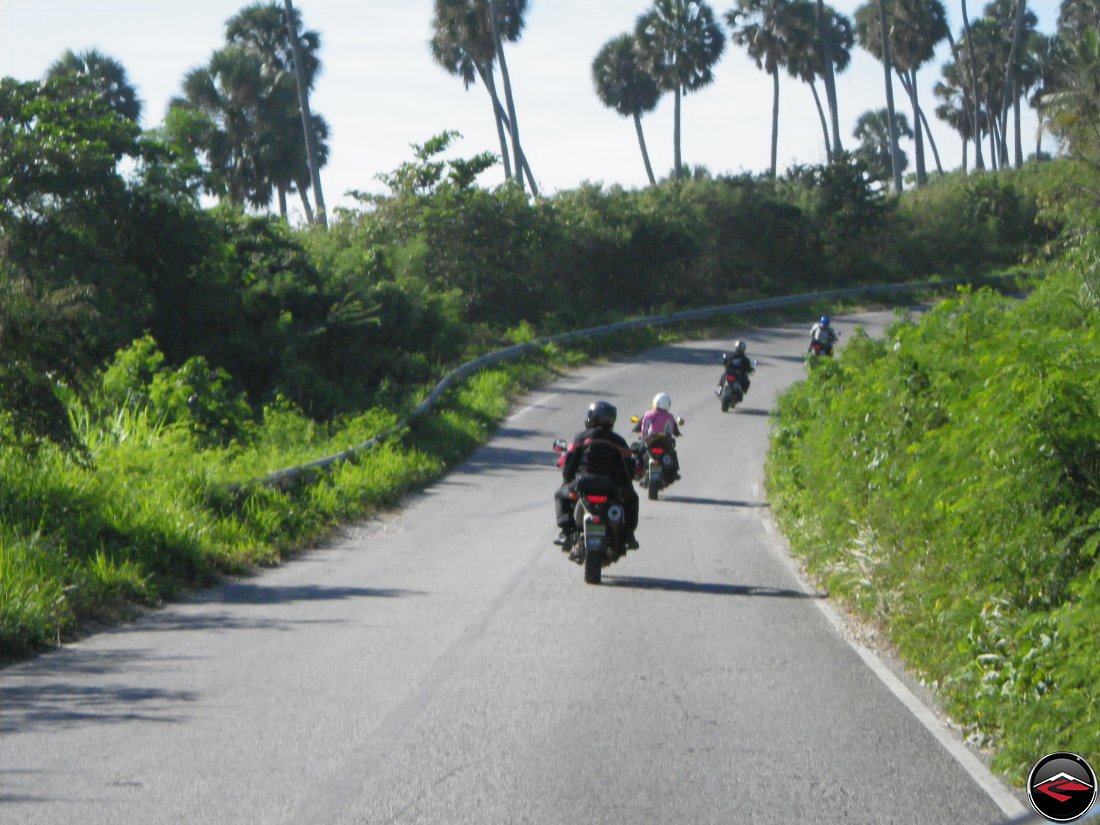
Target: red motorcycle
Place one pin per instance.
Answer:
(655, 464)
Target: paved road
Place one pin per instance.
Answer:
(446, 663)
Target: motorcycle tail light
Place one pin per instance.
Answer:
(657, 451)
(597, 499)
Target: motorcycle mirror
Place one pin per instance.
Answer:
(680, 421)
(559, 445)
(633, 419)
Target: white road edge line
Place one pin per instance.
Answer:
(994, 787)
(551, 396)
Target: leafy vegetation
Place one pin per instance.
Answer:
(946, 482)
(149, 344)
(157, 356)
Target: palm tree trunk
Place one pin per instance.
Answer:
(303, 188)
(895, 165)
(517, 153)
(909, 84)
(830, 78)
(966, 147)
(487, 80)
(676, 157)
(282, 201)
(1016, 127)
(1009, 85)
(932, 141)
(994, 142)
(525, 168)
(775, 119)
(307, 118)
(641, 143)
(824, 125)
(979, 162)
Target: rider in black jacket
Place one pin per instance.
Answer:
(739, 364)
(598, 451)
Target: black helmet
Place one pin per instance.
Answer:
(600, 414)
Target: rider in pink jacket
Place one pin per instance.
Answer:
(659, 419)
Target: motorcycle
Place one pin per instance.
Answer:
(822, 347)
(599, 539)
(654, 460)
(731, 393)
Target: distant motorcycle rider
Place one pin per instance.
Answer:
(739, 364)
(823, 333)
(598, 451)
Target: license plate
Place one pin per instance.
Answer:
(654, 472)
(595, 535)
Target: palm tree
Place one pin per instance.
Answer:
(831, 62)
(767, 29)
(873, 130)
(830, 32)
(1014, 25)
(1074, 104)
(102, 75)
(455, 49)
(1075, 18)
(229, 94)
(895, 153)
(679, 41)
(464, 44)
(955, 107)
(916, 27)
(975, 89)
(622, 85)
(263, 29)
(495, 25)
(989, 41)
(312, 152)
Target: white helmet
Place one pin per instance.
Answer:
(662, 401)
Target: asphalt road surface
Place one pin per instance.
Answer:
(447, 664)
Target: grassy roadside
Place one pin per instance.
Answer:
(84, 543)
(944, 484)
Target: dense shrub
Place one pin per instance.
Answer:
(947, 481)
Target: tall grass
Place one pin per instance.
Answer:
(154, 511)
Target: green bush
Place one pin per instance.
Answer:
(946, 480)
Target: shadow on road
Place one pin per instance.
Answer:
(719, 502)
(51, 698)
(752, 411)
(59, 703)
(681, 586)
(490, 459)
(248, 593)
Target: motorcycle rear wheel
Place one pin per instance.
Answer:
(593, 567)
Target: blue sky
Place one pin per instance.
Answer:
(380, 90)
